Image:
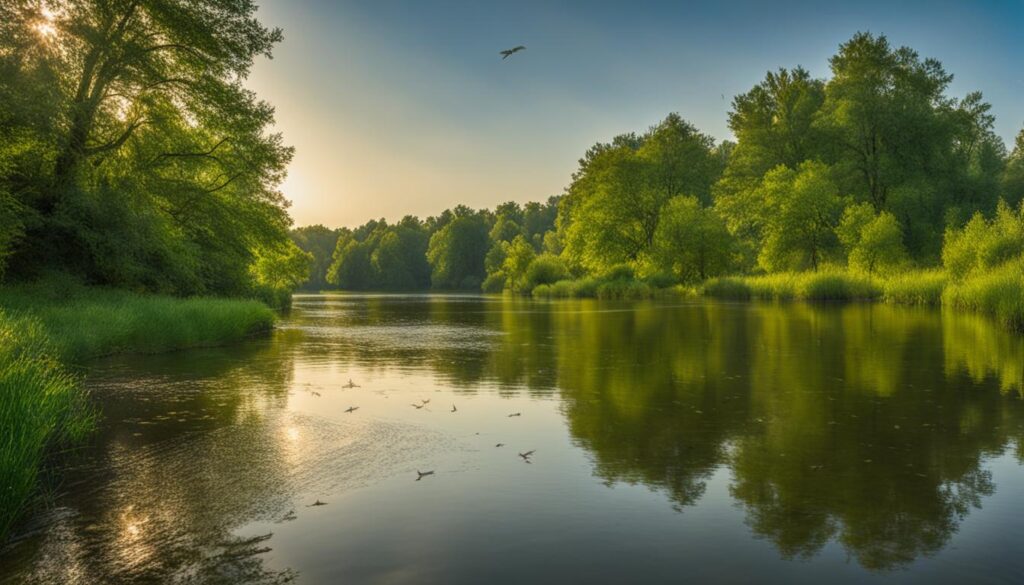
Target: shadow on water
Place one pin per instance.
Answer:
(866, 426)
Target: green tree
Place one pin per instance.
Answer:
(518, 256)
(1013, 176)
(692, 241)
(611, 209)
(319, 241)
(802, 210)
(873, 242)
(281, 270)
(774, 125)
(456, 253)
(154, 168)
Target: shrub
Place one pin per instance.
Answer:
(545, 269)
(542, 291)
(619, 272)
(494, 283)
(661, 280)
(563, 289)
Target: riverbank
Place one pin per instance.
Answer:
(47, 327)
(998, 293)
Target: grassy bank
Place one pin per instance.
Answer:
(998, 294)
(823, 285)
(84, 322)
(41, 405)
(47, 325)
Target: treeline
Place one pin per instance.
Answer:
(459, 249)
(132, 156)
(872, 169)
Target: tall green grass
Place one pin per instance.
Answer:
(85, 322)
(916, 287)
(41, 405)
(819, 286)
(998, 293)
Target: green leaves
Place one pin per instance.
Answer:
(613, 205)
(180, 191)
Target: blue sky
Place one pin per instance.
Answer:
(406, 107)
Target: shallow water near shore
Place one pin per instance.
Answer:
(672, 441)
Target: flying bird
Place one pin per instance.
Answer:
(423, 474)
(508, 52)
(500, 445)
(526, 455)
(350, 384)
(453, 408)
(352, 409)
(317, 503)
(515, 414)
(417, 406)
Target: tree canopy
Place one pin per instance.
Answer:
(132, 153)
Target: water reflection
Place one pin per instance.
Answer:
(866, 427)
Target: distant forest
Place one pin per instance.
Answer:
(873, 169)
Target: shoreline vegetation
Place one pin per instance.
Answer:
(871, 183)
(49, 327)
(998, 295)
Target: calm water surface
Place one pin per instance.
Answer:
(673, 442)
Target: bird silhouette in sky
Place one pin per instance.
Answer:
(508, 52)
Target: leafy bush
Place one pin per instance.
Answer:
(984, 244)
(545, 269)
(619, 272)
(494, 283)
(542, 291)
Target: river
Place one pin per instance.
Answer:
(670, 441)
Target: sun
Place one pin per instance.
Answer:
(46, 27)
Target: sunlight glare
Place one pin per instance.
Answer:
(46, 28)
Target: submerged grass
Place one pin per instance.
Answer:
(46, 325)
